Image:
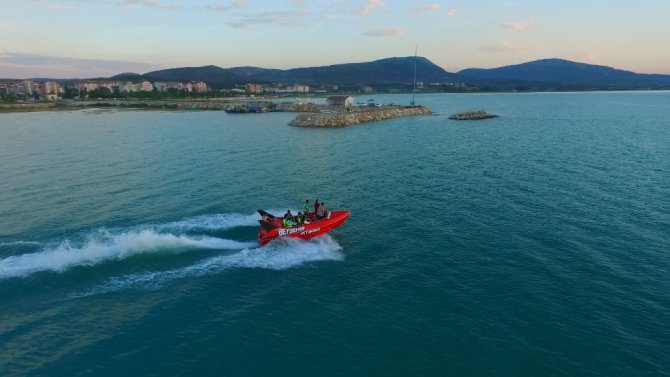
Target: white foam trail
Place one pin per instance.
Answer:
(98, 250)
(279, 255)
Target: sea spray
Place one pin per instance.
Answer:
(66, 255)
(278, 255)
(104, 244)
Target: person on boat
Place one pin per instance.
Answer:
(305, 208)
(321, 212)
(300, 219)
(288, 220)
(312, 215)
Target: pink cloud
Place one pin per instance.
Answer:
(369, 7)
(430, 8)
(386, 33)
(224, 7)
(152, 4)
(515, 25)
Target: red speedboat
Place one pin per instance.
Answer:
(272, 228)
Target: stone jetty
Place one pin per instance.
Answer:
(341, 118)
(472, 115)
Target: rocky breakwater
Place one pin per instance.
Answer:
(351, 116)
(473, 115)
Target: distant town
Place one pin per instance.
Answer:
(33, 90)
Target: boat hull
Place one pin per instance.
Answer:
(304, 231)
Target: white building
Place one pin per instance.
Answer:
(146, 86)
(345, 101)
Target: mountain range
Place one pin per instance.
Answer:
(563, 74)
(390, 71)
(545, 74)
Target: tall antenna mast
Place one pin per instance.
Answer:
(414, 87)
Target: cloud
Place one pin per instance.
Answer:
(386, 33)
(18, 65)
(452, 12)
(505, 47)
(434, 7)
(369, 7)
(281, 18)
(152, 4)
(515, 25)
(224, 7)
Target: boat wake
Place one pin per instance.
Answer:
(279, 255)
(103, 245)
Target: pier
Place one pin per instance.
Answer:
(473, 115)
(356, 115)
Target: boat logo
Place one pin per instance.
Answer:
(310, 231)
(287, 231)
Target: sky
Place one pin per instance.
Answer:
(100, 38)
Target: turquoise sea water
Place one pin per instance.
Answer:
(535, 244)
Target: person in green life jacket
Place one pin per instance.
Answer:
(288, 221)
(305, 208)
(300, 219)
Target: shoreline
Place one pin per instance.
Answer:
(168, 104)
(220, 104)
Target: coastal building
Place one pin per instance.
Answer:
(287, 89)
(31, 88)
(142, 86)
(301, 88)
(253, 88)
(49, 87)
(26, 87)
(86, 85)
(145, 86)
(164, 86)
(127, 87)
(49, 90)
(200, 87)
(345, 101)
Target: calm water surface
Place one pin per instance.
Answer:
(532, 244)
